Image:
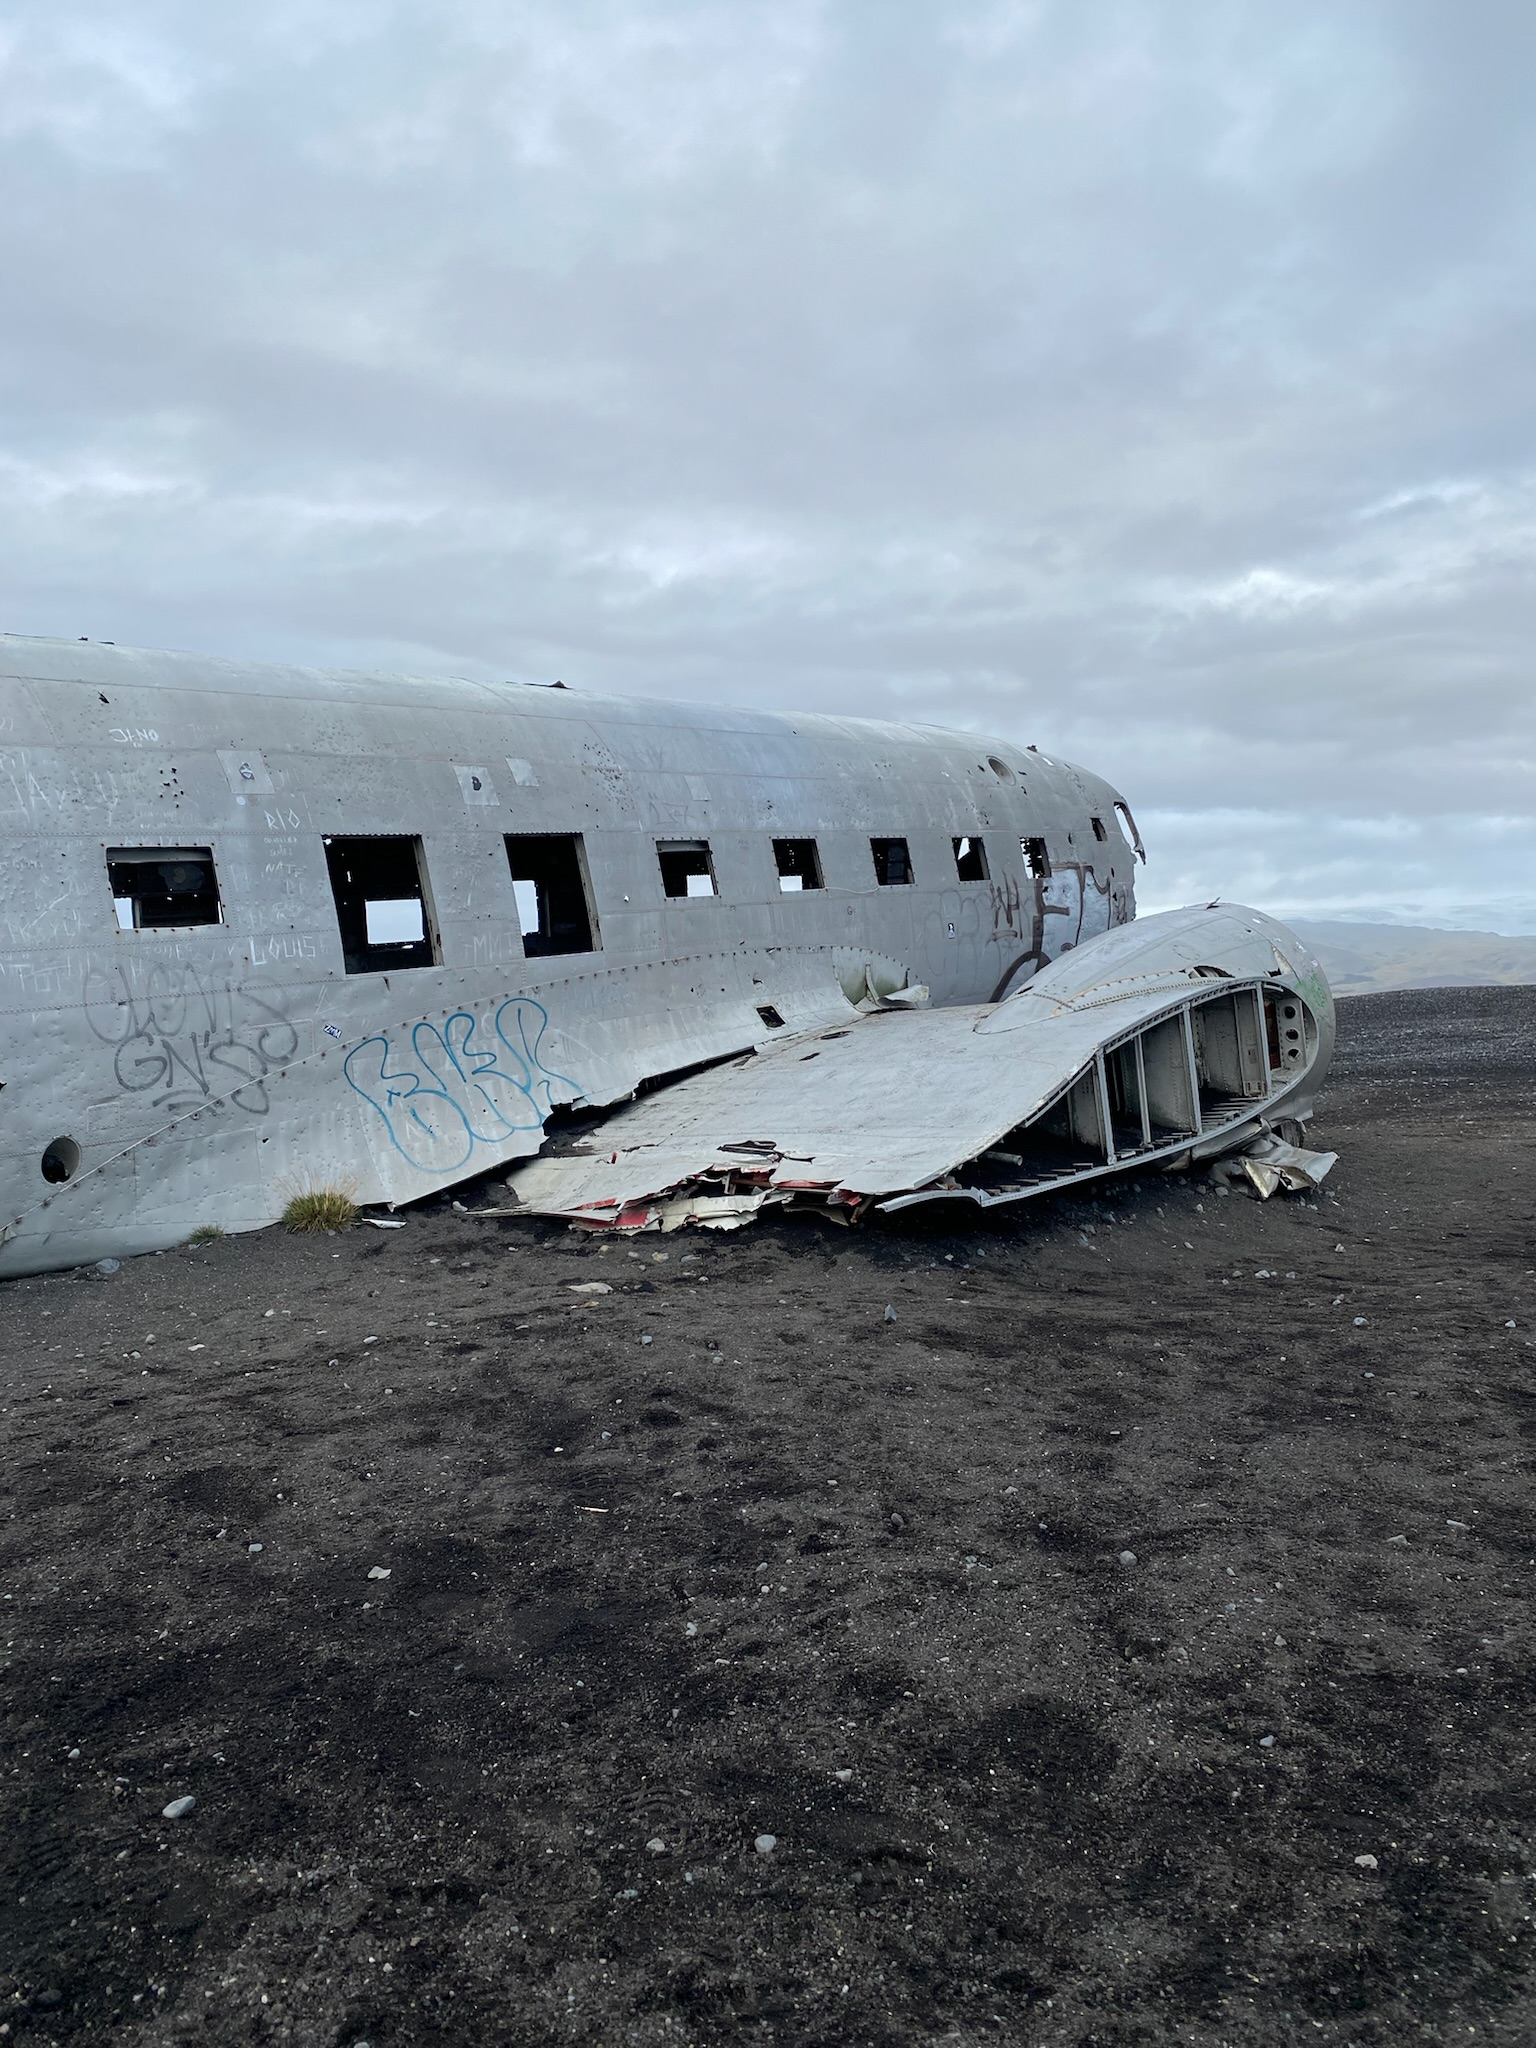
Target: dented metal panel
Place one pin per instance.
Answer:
(895, 1106)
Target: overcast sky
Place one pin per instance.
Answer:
(1148, 379)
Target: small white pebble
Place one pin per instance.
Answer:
(179, 1808)
(252, 1548)
(1266, 1742)
(1127, 1557)
(1359, 1322)
(73, 1757)
(1366, 1863)
(656, 1846)
(378, 1571)
(766, 1844)
(843, 1777)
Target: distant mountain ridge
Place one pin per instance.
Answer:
(1362, 957)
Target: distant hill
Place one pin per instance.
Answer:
(1361, 957)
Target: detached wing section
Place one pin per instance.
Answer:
(1191, 1033)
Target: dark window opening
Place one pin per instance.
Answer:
(686, 867)
(770, 1016)
(1098, 828)
(61, 1161)
(554, 905)
(381, 905)
(893, 863)
(971, 860)
(1036, 859)
(154, 887)
(798, 863)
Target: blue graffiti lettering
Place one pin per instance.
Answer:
(464, 1084)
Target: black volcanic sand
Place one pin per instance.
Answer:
(727, 1553)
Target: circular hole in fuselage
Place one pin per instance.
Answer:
(61, 1161)
(1000, 768)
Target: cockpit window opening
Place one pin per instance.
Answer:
(1098, 828)
(554, 897)
(687, 867)
(159, 888)
(1036, 858)
(379, 885)
(893, 863)
(1128, 830)
(971, 860)
(799, 865)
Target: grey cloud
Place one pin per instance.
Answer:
(1151, 383)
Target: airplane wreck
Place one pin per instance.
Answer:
(264, 930)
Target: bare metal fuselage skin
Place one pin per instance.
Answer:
(159, 1077)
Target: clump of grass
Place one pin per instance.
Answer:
(206, 1233)
(320, 1209)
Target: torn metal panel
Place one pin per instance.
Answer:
(1271, 1162)
(1184, 1036)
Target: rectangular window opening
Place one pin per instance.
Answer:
(1036, 859)
(158, 888)
(1098, 828)
(770, 1016)
(893, 863)
(554, 899)
(381, 903)
(686, 867)
(971, 860)
(798, 863)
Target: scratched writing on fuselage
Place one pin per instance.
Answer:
(465, 1083)
(186, 1044)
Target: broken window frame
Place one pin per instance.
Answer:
(685, 860)
(887, 855)
(799, 864)
(1037, 858)
(204, 903)
(971, 864)
(361, 953)
(558, 897)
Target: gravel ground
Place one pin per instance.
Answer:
(1129, 1643)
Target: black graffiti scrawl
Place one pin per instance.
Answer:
(186, 1045)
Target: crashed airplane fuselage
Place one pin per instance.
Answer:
(266, 929)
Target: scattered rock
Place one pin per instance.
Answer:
(589, 1287)
(766, 1844)
(843, 1777)
(1266, 1742)
(253, 1549)
(646, 1340)
(179, 1808)
(73, 1757)
(378, 1571)
(49, 1999)
(1399, 1539)
(656, 1846)
(890, 1313)
(1359, 1322)
(1366, 1863)
(898, 1521)
(1127, 1557)
(106, 1266)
